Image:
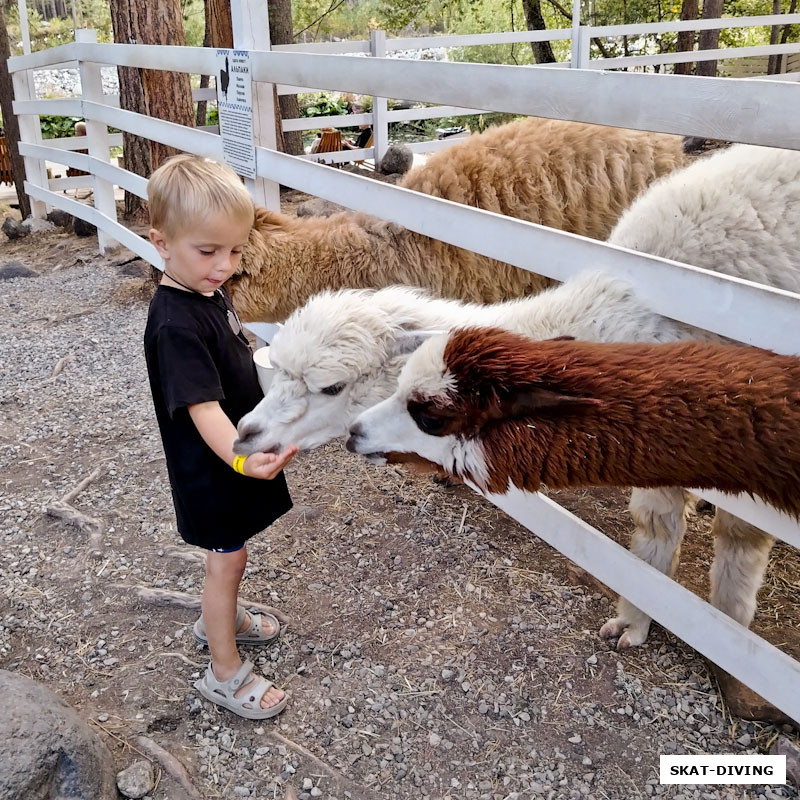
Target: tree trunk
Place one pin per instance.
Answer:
(534, 19)
(10, 124)
(685, 43)
(709, 40)
(787, 29)
(281, 32)
(218, 33)
(774, 61)
(162, 94)
(219, 28)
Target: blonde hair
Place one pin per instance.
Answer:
(186, 190)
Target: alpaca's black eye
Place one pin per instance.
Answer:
(430, 424)
(333, 390)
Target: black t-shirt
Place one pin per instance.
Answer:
(193, 356)
(363, 137)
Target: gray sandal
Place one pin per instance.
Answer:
(248, 705)
(255, 631)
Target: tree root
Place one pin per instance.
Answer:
(185, 554)
(341, 781)
(62, 509)
(167, 597)
(170, 765)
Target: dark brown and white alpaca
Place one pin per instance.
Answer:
(500, 409)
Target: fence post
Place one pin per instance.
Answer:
(575, 60)
(380, 123)
(250, 20)
(584, 47)
(30, 130)
(97, 138)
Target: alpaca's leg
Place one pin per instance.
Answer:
(660, 518)
(741, 555)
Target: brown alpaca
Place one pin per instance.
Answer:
(566, 175)
(564, 413)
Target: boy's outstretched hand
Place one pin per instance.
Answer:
(267, 465)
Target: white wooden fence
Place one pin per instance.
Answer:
(579, 35)
(759, 112)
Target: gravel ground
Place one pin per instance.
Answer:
(436, 649)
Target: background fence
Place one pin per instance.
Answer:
(759, 112)
(580, 38)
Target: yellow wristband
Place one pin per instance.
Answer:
(238, 464)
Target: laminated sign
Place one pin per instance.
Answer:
(235, 105)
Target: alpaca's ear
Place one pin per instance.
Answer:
(528, 402)
(406, 342)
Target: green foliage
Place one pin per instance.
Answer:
(350, 20)
(425, 129)
(322, 104)
(52, 32)
(58, 127)
(212, 115)
(193, 12)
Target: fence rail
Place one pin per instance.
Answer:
(580, 58)
(763, 112)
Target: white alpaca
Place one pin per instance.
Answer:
(342, 352)
(737, 212)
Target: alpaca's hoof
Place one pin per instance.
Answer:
(613, 628)
(630, 634)
(632, 637)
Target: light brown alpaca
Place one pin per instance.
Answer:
(567, 175)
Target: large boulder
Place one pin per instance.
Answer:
(398, 159)
(49, 752)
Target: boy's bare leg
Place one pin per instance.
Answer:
(223, 574)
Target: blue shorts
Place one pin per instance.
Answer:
(226, 549)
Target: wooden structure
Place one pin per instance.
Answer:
(6, 175)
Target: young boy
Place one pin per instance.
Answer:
(203, 381)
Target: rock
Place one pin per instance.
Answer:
(693, 144)
(745, 703)
(46, 744)
(136, 269)
(13, 229)
(137, 780)
(783, 746)
(83, 228)
(60, 218)
(398, 158)
(579, 577)
(317, 207)
(15, 269)
(34, 225)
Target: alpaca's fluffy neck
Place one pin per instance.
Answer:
(288, 260)
(723, 421)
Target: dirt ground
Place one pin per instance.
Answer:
(435, 648)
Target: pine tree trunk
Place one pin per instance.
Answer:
(281, 31)
(542, 51)
(10, 124)
(686, 39)
(162, 94)
(712, 9)
(219, 27)
(218, 33)
(774, 61)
